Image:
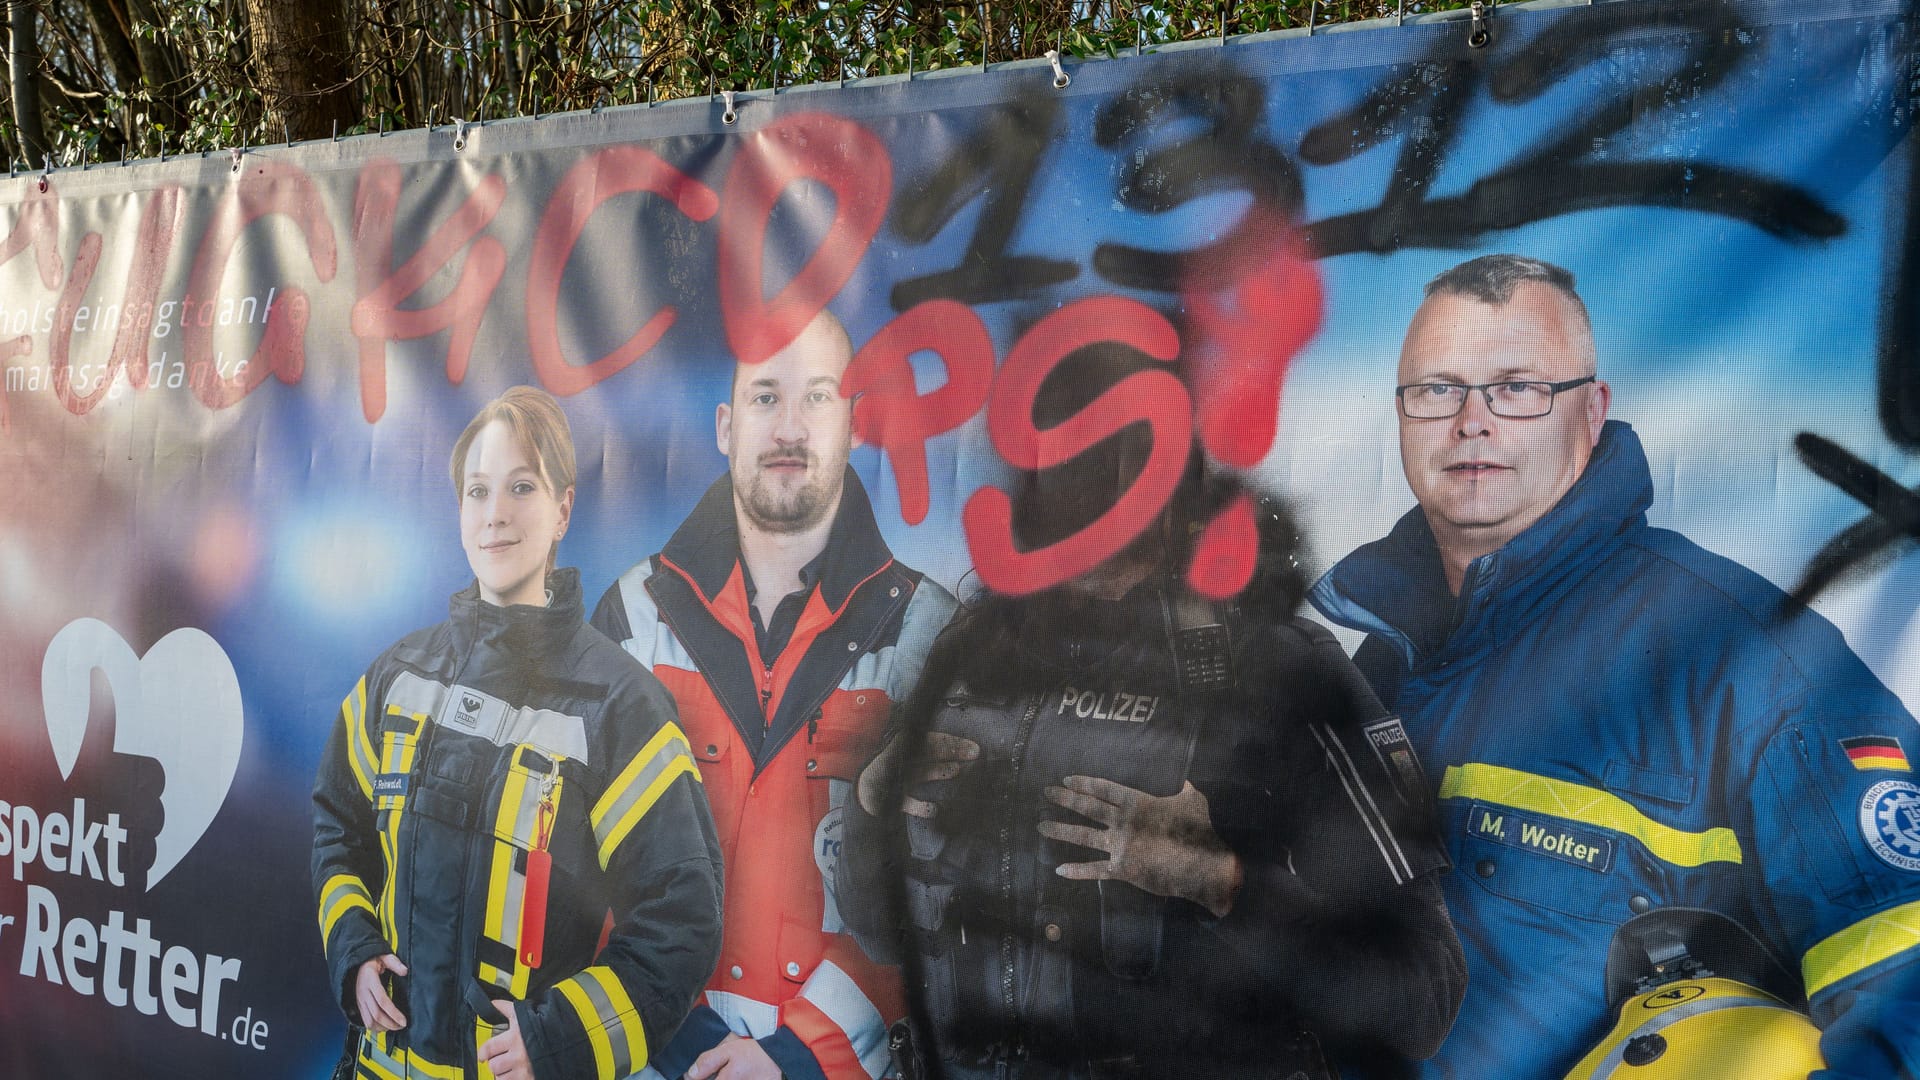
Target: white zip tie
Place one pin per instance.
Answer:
(47, 162)
(728, 116)
(459, 135)
(1477, 35)
(234, 153)
(1061, 80)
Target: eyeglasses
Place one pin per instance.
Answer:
(1515, 400)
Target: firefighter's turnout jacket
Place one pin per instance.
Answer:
(779, 742)
(479, 760)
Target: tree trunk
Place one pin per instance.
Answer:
(300, 50)
(160, 79)
(23, 71)
(110, 29)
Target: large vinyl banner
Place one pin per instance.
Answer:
(1543, 364)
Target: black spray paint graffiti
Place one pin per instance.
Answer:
(1893, 511)
(1585, 164)
(1570, 170)
(1424, 108)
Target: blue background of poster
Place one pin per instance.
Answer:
(304, 539)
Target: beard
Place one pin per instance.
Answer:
(775, 507)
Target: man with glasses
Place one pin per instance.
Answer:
(1619, 720)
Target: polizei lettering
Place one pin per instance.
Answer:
(1108, 705)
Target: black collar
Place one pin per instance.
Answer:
(707, 545)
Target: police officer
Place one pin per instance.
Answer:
(1121, 831)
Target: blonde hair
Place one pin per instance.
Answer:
(537, 424)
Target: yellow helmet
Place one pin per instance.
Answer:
(1691, 1007)
(1705, 1029)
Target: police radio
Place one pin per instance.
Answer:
(1202, 645)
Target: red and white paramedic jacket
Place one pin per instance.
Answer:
(779, 742)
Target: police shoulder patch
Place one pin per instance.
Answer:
(1395, 752)
(1890, 823)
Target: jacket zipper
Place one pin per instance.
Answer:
(1007, 945)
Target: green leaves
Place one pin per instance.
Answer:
(412, 60)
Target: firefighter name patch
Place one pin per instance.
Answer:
(1542, 836)
(1890, 823)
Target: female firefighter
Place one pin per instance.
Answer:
(1121, 831)
(513, 861)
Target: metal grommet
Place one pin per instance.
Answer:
(713, 749)
(894, 593)
(853, 646)
(728, 116)
(1484, 868)
(1053, 931)
(1477, 35)
(813, 765)
(1061, 80)
(793, 969)
(1639, 905)
(860, 699)
(735, 972)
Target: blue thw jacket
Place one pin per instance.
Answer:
(1616, 719)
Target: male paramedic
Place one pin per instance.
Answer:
(785, 630)
(1618, 720)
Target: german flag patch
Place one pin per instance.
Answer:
(1876, 752)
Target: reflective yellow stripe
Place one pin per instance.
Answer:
(613, 1017)
(353, 713)
(1860, 946)
(1591, 806)
(516, 824)
(626, 1015)
(341, 894)
(590, 1019)
(397, 747)
(376, 1059)
(497, 926)
(665, 758)
(419, 1066)
(389, 858)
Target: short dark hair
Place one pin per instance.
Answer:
(1491, 279)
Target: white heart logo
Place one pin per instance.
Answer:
(179, 705)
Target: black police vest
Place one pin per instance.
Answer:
(1015, 959)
